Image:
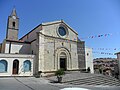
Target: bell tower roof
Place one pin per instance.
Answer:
(12, 26)
(14, 12)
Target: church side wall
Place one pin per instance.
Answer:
(32, 35)
(22, 48)
(34, 44)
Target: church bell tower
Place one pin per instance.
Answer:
(12, 26)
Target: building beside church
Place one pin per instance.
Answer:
(89, 59)
(106, 66)
(47, 48)
(118, 68)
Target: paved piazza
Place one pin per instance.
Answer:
(31, 83)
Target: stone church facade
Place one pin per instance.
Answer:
(47, 48)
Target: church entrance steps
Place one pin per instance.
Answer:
(78, 78)
(96, 80)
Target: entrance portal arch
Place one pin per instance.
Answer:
(63, 58)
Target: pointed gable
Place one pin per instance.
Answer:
(13, 13)
(54, 29)
(59, 22)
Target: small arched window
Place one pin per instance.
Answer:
(13, 24)
(27, 66)
(3, 66)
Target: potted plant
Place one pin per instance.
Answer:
(88, 69)
(38, 75)
(59, 74)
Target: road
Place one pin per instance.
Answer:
(31, 83)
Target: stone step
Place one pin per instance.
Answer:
(94, 83)
(97, 80)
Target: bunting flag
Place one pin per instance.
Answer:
(105, 53)
(95, 36)
(74, 39)
(102, 53)
(104, 49)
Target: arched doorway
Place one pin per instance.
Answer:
(63, 61)
(15, 66)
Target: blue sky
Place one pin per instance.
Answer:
(87, 17)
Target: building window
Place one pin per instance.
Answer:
(27, 66)
(13, 24)
(3, 66)
(62, 31)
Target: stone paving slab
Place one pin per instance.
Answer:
(31, 83)
(77, 78)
